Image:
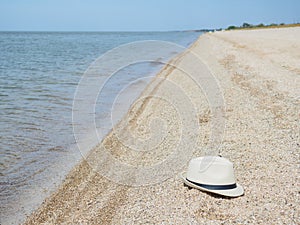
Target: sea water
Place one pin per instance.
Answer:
(39, 73)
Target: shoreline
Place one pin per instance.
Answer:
(14, 211)
(261, 119)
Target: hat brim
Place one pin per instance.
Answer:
(235, 192)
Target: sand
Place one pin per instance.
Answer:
(258, 73)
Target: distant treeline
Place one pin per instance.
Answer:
(261, 25)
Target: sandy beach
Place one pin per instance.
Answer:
(258, 73)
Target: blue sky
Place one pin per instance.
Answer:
(141, 15)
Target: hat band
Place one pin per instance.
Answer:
(214, 187)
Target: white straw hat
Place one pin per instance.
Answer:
(213, 174)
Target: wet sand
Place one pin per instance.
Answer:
(258, 73)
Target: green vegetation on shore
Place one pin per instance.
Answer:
(261, 25)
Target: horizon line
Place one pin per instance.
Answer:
(184, 30)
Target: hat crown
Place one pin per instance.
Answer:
(211, 170)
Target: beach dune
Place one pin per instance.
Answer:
(258, 75)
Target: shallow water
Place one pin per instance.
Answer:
(39, 73)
